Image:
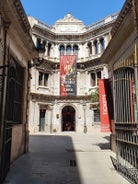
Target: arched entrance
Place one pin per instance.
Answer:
(68, 118)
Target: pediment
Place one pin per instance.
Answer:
(69, 24)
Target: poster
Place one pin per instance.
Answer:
(104, 114)
(68, 75)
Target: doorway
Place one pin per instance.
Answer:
(68, 118)
(42, 120)
(96, 116)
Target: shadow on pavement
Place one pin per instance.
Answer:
(48, 162)
(106, 145)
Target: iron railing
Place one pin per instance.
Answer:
(126, 125)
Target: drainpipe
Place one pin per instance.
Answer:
(26, 126)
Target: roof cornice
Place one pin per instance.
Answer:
(22, 15)
(127, 6)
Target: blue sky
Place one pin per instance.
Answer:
(89, 11)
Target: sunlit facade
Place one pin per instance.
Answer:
(51, 109)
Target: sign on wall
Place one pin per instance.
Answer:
(104, 114)
(68, 75)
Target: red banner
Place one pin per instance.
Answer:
(68, 75)
(104, 114)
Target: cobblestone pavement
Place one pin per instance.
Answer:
(66, 158)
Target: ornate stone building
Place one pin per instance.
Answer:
(50, 110)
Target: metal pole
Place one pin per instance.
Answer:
(136, 80)
(51, 118)
(84, 112)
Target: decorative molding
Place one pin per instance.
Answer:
(68, 18)
(22, 15)
(50, 98)
(122, 14)
(135, 15)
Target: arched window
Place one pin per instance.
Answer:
(96, 46)
(49, 48)
(90, 48)
(102, 43)
(62, 50)
(40, 44)
(68, 50)
(75, 49)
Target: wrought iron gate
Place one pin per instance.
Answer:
(126, 125)
(12, 112)
(7, 126)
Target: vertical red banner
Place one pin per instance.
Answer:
(68, 75)
(104, 114)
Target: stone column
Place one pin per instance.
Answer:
(51, 118)
(99, 46)
(72, 49)
(65, 52)
(106, 41)
(84, 113)
(46, 47)
(96, 79)
(93, 48)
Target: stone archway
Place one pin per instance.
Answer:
(68, 119)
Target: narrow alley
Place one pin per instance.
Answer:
(66, 158)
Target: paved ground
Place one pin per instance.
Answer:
(66, 158)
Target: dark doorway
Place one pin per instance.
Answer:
(96, 116)
(68, 118)
(42, 120)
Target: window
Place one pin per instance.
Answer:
(102, 44)
(46, 79)
(15, 88)
(68, 50)
(99, 75)
(43, 79)
(90, 48)
(96, 116)
(40, 44)
(40, 78)
(75, 49)
(93, 79)
(62, 50)
(49, 48)
(96, 46)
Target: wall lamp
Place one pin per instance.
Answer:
(37, 61)
(41, 50)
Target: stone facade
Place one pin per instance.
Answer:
(49, 110)
(16, 49)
